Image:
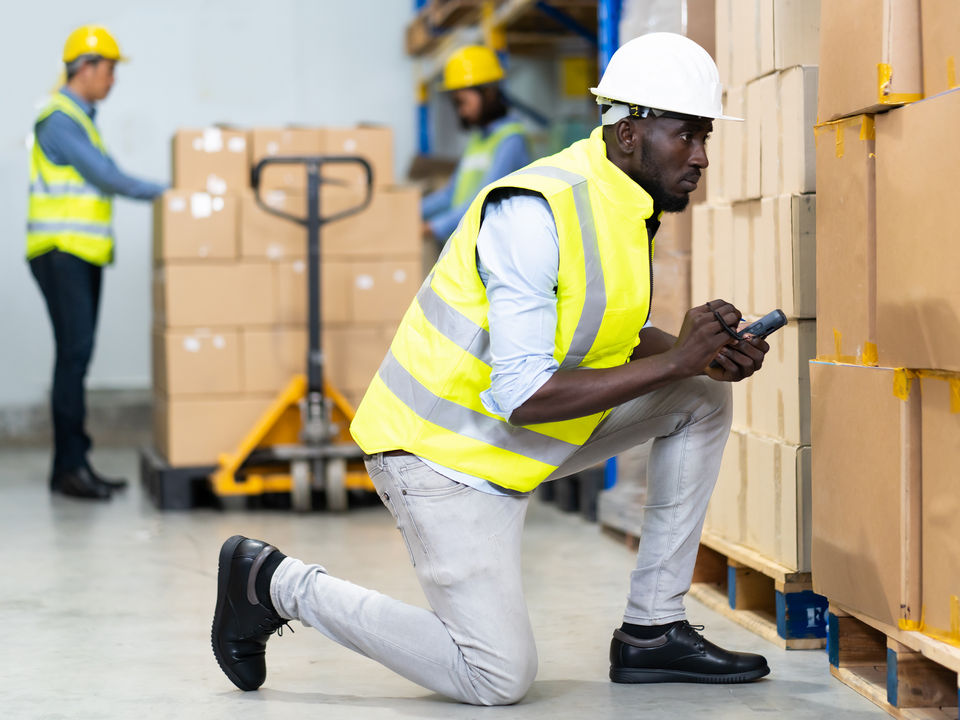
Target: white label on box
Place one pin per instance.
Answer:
(198, 143)
(274, 251)
(203, 251)
(350, 145)
(299, 267)
(217, 204)
(201, 204)
(191, 344)
(177, 204)
(218, 342)
(364, 281)
(237, 144)
(273, 147)
(216, 185)
(212, 140)
(399, 275)
(275, 199)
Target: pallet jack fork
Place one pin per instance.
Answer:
(301, 441)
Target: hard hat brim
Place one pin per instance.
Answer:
(596, 91)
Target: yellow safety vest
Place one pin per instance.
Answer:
(65, 212)
(477, 159)
(425, 398)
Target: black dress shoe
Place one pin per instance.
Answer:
(680, 655)
(79, 483)
(111, 483)
(242, 622)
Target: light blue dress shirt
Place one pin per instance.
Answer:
(436, 209)
(64, 142)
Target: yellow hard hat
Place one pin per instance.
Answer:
(91, 40)
(471, 66)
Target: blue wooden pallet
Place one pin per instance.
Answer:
(897, 678)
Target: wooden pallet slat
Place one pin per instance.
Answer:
(897, 676)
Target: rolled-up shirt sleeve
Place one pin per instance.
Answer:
(518, 258)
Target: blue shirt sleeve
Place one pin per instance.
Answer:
(64, 142)
(511, 154)
(437, 201)
(518, 258)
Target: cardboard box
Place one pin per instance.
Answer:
(271, 357)
(756, 37)
(671, 288)
(292, 141)
(211, 159)
(701, 255)
(780, 393)
(374, 143)
(869, 56)
(780, 115)
(212, 295)
(390, 226)
(865, 491)
(676, 229)
(742, 405)
(941, 501)
(940, 35)
(918, 297)
(192, 431)
(351, 290)
(777, 497)
(784, 256)
(199, 361)
(847, 241)
(354, 353)
(745, 215)
(267, 236)
(725, 275)
(733, 148)
(194, 226)
(726, 514)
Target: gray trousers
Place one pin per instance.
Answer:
(476, 645)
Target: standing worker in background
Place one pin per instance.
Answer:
(70, 239)
(525, 357)
(497, 145)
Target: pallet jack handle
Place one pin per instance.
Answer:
(313, 222)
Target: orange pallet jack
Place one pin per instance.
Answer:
(301, 443)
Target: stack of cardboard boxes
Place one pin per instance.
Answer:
(886, 385)
(754, 245)
(230, 279)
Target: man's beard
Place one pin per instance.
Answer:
(652, 181)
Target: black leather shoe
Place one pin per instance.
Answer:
(242, 622)
(680, 655)
(111, 483)
(79, 483)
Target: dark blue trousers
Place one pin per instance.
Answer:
(71, 288)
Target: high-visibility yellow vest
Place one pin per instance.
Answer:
(425, 398)
(65, 212)
(477, 159)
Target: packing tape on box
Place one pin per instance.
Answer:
(903, 382)
(951, 72)
(868, 356)
(951, 636)
(884, 96)
(866, 131)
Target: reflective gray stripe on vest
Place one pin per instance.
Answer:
(595, 293)
(453, 324)
(102, 229)
(61, 189)
(470, 423)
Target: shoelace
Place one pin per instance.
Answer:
(270, 626)
(695, 630)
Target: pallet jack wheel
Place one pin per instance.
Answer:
(335, 482)
(300, 491)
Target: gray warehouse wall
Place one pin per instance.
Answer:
(194, 62)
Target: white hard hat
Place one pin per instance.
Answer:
(663, 71)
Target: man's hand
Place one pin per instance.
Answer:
(739, 361)
(703, 335)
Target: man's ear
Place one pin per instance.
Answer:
(628, 134)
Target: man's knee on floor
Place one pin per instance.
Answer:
(509, 682)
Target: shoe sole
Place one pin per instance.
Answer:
(223, 582)
(642, 675)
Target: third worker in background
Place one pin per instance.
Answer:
(70, 238)
(497, 144)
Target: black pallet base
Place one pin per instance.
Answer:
(175, 488)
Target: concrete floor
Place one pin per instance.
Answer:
(106, 612)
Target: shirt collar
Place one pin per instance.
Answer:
(88, 108)
(613, 182)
